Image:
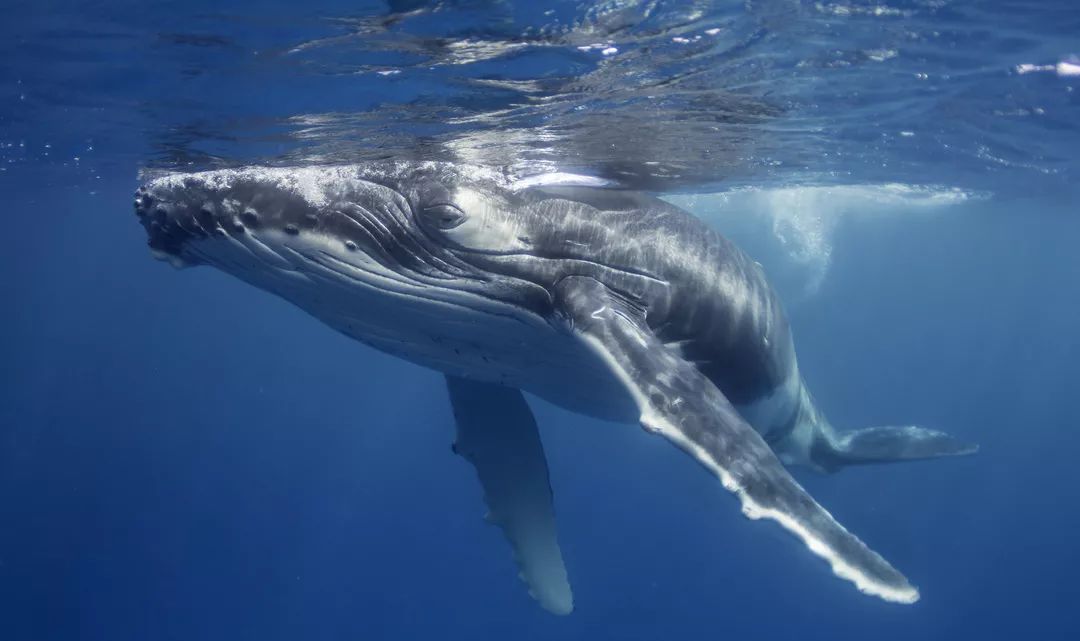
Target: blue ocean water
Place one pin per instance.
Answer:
(185, 457)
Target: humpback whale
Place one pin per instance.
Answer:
(607, 302)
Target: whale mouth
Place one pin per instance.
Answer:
(184, 213)
(162, 238)
(248, 220)
(346, 249)
(169, 228)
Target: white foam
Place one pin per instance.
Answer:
(1068, 68)
(802, 219)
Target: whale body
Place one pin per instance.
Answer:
(609, 303)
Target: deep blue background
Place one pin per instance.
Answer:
(184, 457)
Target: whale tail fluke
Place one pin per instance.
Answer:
(885, 445)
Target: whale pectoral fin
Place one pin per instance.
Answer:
(677, 401)
(496, 432)
(885, 445)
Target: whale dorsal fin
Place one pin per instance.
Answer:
(681, 404)
(496, 432)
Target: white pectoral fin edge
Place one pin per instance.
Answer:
(868, 584)
(681, 404)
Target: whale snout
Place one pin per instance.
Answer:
(170, 225)
(238, 219)
(179, 212)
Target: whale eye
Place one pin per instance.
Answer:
(444, 216)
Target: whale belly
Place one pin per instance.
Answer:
(516, 349)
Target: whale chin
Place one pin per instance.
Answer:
(175, 261)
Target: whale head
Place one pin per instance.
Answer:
(344, 240)
(396, 215)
